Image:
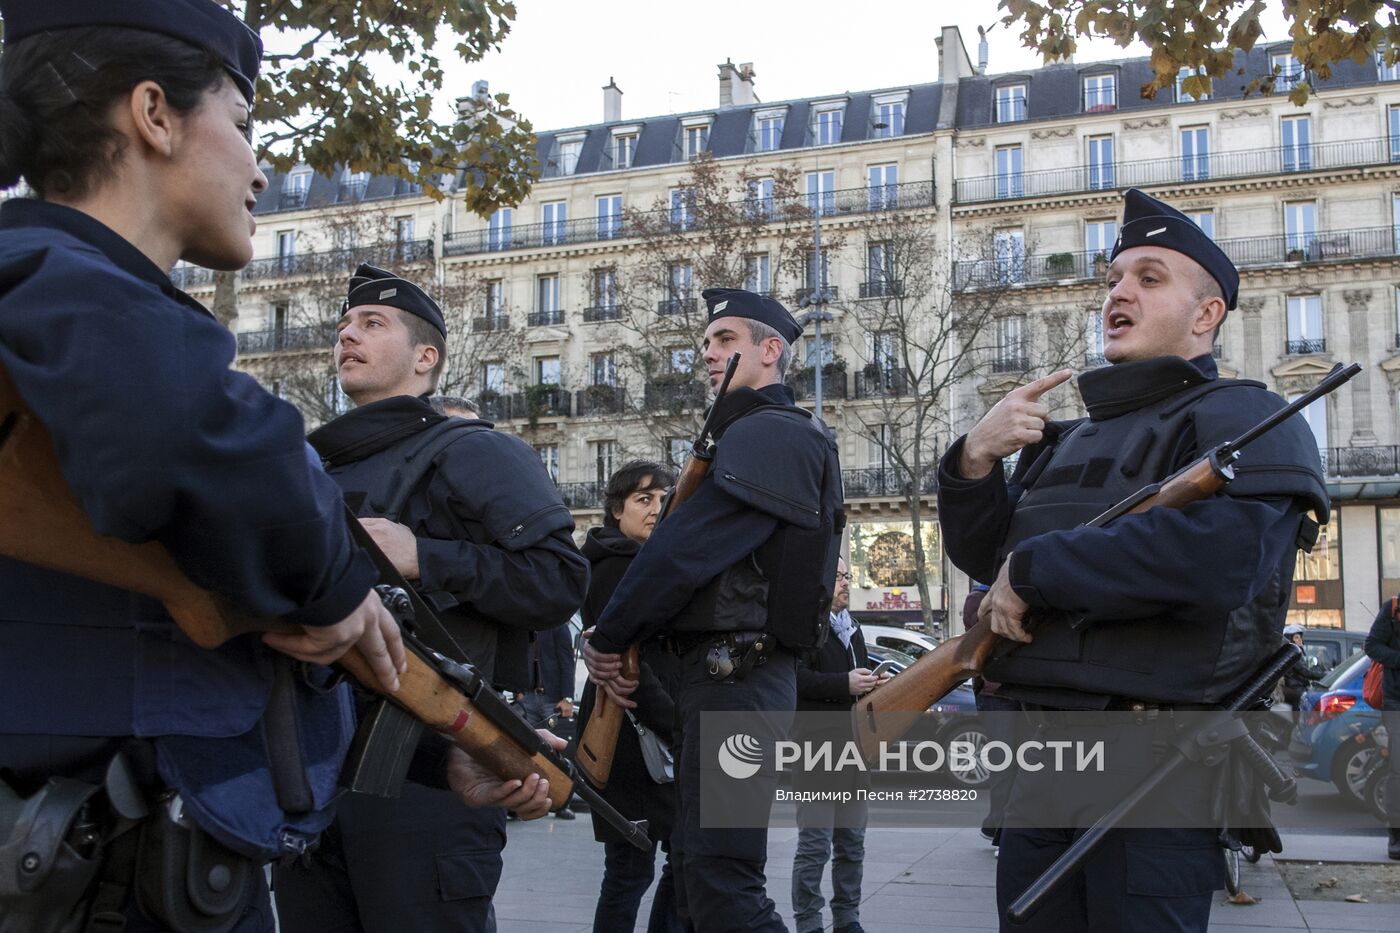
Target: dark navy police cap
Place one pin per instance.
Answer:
(373, 286)
(735, 302)
(198, 22)
(1149, 222)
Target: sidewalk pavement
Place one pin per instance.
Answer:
(915, 880)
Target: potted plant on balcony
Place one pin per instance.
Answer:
(1101, 263)
(600, 397)
(1060, 263)
(1295, 254)
(539, 398)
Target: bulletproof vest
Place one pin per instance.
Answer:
(388, 485)
(785, 586)
(1188, 655)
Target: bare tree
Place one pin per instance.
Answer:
(733, 228)
(919, 333)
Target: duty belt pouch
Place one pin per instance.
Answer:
(656, 754)
(186, 879)
(44, 880)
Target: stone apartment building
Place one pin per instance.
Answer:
(1010, 183)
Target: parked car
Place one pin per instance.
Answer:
(905, 640)
(1333, 738)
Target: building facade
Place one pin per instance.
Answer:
(576, 315)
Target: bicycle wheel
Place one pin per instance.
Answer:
(1232, 872)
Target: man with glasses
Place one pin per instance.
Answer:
(829, 679)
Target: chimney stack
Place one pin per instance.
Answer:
(736, 85)
(612, 102)
(982, 51)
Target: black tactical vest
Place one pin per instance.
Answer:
(1189, 656)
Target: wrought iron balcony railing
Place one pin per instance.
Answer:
(292, 199)
(1317, 345)
(670, 306)
(1010, 363)
(886, 481)
(804, 383)
(496, 407)
(550, 403)
(490, 323)
(1274, 249)
(1245, 163)
(883, 383)
(544, 318)
(602, 313)
(599, 400)
(335, 261)
(881, 288)
(277, 339)
(846, 201)
(581, 495)
(1346, 462)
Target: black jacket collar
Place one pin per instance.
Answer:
(372, 428)
(1125, 387)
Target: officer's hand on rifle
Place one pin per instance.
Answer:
(1016, 421)
(605, 670)
(1003, 609)
(478, 787)
(398, 544)
(370, 628)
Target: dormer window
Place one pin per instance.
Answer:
(295, 188)
(1010, 104)
(622, 148)
(694, 137)
(826, 122)
(352, 185)
(1198, 93)
(1100, 93)
(887, 115)
(1288, 72)
(564, 160)
(766, 134)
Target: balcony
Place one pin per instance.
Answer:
(348, 191)
(881, 383)
(829, 293)
(1348, 462)
(541, 401)
(674, 395)
(1294, 347)
(186, 277)
(581, 495)
(1245, 252)
(337, 261)
(886, 481)
(292, 199)
(843, 202)
(491, 323)
(275, 340)
(544, 318)
(599, 313)
(1176, 169)
(671, 306)
(496, 407)
(599, 400)
(804, 383)
(1011, 362)
(882, 288)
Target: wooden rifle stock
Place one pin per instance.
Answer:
(888, 712)
(598, 744)
(44, 525)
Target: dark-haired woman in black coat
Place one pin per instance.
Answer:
(632, 505)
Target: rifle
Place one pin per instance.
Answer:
(598, 743)
(886, 713)
(45, 526)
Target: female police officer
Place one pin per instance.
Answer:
(130, 123)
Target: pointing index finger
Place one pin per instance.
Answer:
(1034, 390)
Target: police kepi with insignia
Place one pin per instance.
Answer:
(740, 577)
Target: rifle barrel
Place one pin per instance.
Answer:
(1338, 376)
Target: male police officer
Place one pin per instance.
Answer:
(470, 516)
(739, 574)
(1179, 606)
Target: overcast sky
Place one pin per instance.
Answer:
(663, 54)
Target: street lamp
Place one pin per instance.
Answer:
(817, 317)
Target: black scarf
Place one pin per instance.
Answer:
(1125, 387)
(373, 427)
